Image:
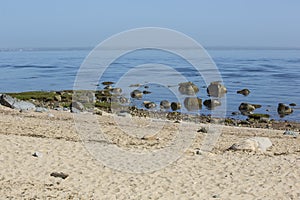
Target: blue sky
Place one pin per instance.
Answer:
(74, 23)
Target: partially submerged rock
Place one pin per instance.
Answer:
(244, 92)
(216, 89)
(136, 94)
(283, 109)
(211, 103)
(175, 106)
(164, 104)
(149, 104)
(252, 144)
(247, 108)
(188, 88)
(192, 103)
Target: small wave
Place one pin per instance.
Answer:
(30, 66)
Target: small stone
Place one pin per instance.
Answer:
(59, 175)
(202, 130)
(107, 83)
(50, 115)
(146, 92)
(37, 154)
(41, 109)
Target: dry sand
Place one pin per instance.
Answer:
(218, 174)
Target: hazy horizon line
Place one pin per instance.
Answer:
(205, 47)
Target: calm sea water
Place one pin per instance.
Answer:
(272, 76)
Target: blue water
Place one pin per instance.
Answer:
(272, 76)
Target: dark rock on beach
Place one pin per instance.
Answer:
(149, 104)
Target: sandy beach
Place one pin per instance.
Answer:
(219, 174)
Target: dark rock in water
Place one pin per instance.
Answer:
(216, 89)
(235, 113)
(192, 103)
(146, 86)
(11, 102)
(59, 175)
(283, 109)
(165, 104)
(211, 103)
(149, 104)
(247, 108)
(107, 83)
(175, 106)
(188, 88)
(244, 92)
(146, 92)
(137, 94)
(77, 106)
(293, 104)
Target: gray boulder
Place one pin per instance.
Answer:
(14, 103)
(188, 88)
(252, 144)
(192, 103)
(77, 106)
(216, 89)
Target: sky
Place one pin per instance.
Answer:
(77, 23)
